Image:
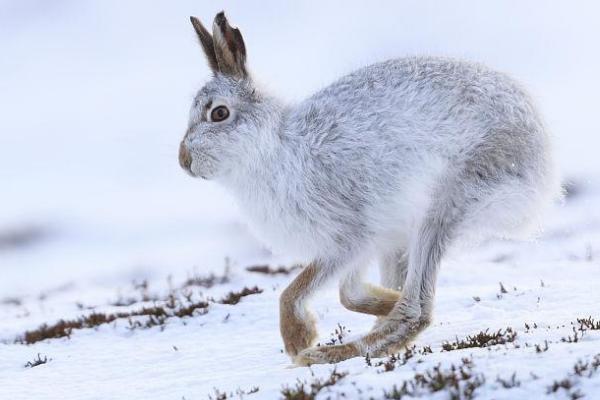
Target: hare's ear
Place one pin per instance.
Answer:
(206, 41)
(229, 48)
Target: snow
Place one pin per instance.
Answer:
(94, 99)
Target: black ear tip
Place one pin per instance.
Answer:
(220, 18)
(195, 21)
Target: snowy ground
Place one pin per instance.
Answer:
(96, 218)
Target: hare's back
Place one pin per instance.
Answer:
(420, 105)
(424, 88)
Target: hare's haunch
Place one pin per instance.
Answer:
(396, 162)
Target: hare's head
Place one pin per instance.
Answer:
(228, 115)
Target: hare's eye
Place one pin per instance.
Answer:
(219, 114)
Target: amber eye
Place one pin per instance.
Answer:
(219, 114)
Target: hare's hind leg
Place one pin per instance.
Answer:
(357, 295)
(412, 313)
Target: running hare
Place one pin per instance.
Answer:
(396, 162)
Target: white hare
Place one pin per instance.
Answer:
(396, 162)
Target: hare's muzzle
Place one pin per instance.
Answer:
(185, 158)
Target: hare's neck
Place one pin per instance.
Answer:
(273, 176)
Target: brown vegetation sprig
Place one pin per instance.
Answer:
(460, 382)
(156, 314)
(482, 339)
(309, 391)
(235, 297)
(268, 270)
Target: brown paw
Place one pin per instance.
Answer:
(297, 333)
(326, 354)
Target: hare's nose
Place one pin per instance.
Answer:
(185, 159)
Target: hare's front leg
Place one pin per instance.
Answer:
(297, 324)
(356, 295)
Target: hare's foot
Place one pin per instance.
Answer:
(297, 333)
(389, 336)
(327, 354)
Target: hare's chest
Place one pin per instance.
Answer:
(286, 226)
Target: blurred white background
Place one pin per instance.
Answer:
(94, 98)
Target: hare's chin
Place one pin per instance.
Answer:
(194, 173)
